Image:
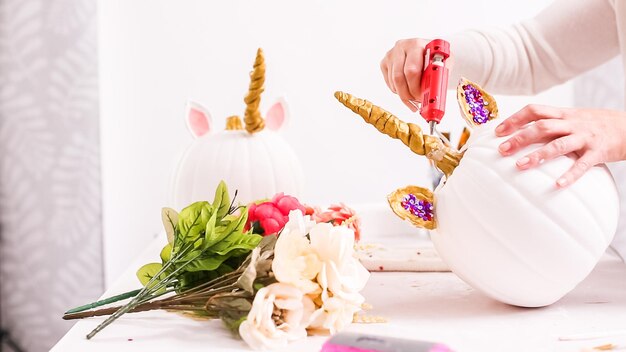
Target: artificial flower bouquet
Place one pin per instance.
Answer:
(273, 271)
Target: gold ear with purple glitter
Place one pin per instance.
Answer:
(415, 204)
(477, 106)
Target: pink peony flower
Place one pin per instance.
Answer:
(270, 217)
(340, 214)
(286, 204)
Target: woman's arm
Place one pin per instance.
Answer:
(565, 39)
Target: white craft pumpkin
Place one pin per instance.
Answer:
(508, 233)
(514, 235)
(257, 164)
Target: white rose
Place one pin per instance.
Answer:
(334, 315)
(295, 261)
(299, 222)
(280, 313)
(341, 274)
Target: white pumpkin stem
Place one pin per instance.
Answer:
(233, 123)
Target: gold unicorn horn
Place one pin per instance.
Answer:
(410, 134)
(252, 117)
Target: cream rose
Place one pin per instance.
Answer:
(341, 274)
(334, 315)
(295, 261)
(324, 267)
(299, 222)
(280, 313)
(341, 278)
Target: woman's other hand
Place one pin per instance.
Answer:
(592, 136)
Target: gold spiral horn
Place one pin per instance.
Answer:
(410, 134)
(252, 116)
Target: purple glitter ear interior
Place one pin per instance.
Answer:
(418, 207)
(414, 204)
(477, 105)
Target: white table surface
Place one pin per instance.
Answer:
(428, 306)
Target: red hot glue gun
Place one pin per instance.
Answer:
(434, 82)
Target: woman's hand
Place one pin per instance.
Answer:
(592, 136)
(402, 69)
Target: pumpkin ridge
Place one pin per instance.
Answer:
(490, 231)
(196, 167)
(576, 195)
(249, 157)
(590, 212)
(258, 154)
(579, 201)
(273, 163)
(230, 148)
(542, 212)
(492, 289)
(218, 156)
(568, 227)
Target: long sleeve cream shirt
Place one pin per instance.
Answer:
(567, 38)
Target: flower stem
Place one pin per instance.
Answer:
(107, 311)
(131, 305)
(103, 302)
(227, 279)
(149, 289)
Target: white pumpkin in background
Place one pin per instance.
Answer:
(511, 234)
(255, 161)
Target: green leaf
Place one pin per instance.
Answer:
(210, 233)
(195, 253)
(225, 268)
(193, 219)
(233, 322)
(235, 225)
(221, 201)
(246, 280)
(232, 302)
(166, 253)
(258, 265)
(268, 243)
(169, 217)
(147, 272)
(207, 263)
(232, 308)
(188, 280)
(235, 241)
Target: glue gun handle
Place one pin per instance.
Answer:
(434, 81)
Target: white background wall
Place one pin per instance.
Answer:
(154, 55)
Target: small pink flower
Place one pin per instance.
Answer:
(270, 217)
(340, 214)
(287, 203)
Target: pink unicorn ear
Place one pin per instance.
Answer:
(277, 115)
(198, 119)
